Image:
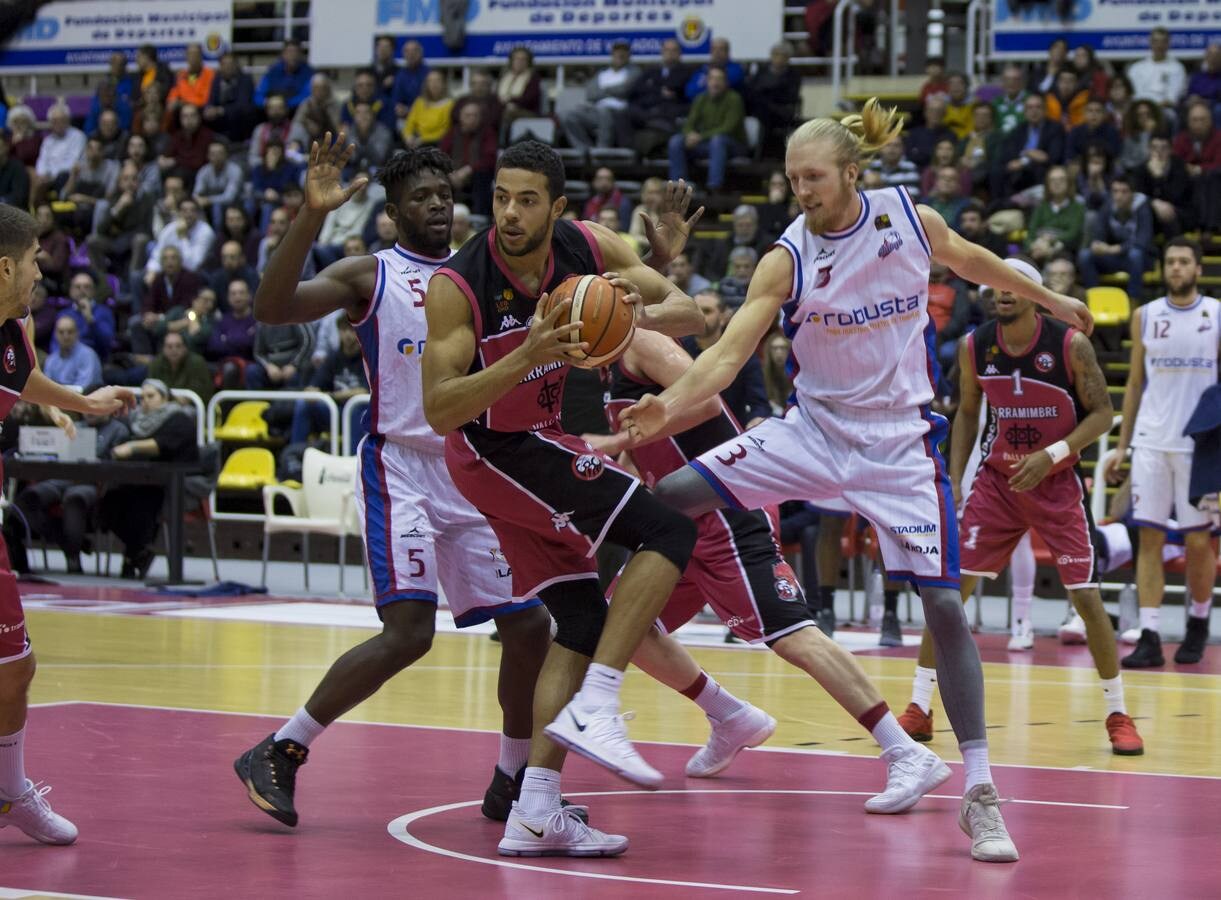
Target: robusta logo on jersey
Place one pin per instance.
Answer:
(588, 466)
(1044, 361)
(872, 315)
(10, 359)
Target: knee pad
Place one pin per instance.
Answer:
(579, 610)
(646, 523)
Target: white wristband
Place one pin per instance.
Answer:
(1059, 451)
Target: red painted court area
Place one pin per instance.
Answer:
(391, 811)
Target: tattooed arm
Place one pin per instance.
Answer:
(1091, 387)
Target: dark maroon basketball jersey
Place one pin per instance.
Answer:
(1031, 399)
(503, 308)
(657, 460)
(16, 363)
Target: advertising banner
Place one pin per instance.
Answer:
(81, 34)
(343, 31)
(1118, 29)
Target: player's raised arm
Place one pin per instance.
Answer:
(667, 238)
(966, 419)
(348, 283)
(716, 367)
(663, 307)
(982, 266)
(1133, 389)
(453, 395)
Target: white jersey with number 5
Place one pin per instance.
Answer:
(392, 336)
(1180, 364)
(858, 314)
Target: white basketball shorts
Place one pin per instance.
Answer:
(884, 464)
(420, 533)
(1160, 480)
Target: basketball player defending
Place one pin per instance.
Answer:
(738, 568)
(22, 802)
(494, 373)
(419, 531)
(1175, 343)
(1047, 400)
(851, 280)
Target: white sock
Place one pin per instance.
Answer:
(12, 765)
(1150, 618)
(923, 686)
(601, 687)
(1022, 571)
(1201, 610)
(540, 792)
(1021, 607)
(513, 754)
(301, 728)
(889, 733)
(1112, 693)
(975, 763)
(716, 702)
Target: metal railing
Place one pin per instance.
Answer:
(978, 40)
(840, 61)
(200, 412)
(349, 410)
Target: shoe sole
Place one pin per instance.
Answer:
(981, 857)
(559, 851)
(1019, 648)
(936, 777)
(242, 767)
(1142, 664)
(887, 640)
(1118, 752)
(43, 839)
(1184, 661)
(645, 781)
(1072, 639)
(759, 737)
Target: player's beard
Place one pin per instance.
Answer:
(423, 240)
(826, 217)
(1186, 291)
(533, 242)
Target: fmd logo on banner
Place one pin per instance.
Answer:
(557, 32)
(82, 34)
(1114, 28)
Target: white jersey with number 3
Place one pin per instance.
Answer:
(392, 336)
(858, 314)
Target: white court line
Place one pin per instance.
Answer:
(400, 830)
(802, 751)
(20, 893)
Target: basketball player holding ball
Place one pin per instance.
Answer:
(493, 376)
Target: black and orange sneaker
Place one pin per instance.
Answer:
(269, 771)
(1125, 741)
(917, 723)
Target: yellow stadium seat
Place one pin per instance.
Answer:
(248, 469)
(1109, 305)
(245, 422)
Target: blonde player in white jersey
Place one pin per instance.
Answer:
(1175, 344)
(851, 279)
(419, 531)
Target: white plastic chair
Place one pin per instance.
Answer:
(324, 504)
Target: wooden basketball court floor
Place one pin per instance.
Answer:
(142, 702)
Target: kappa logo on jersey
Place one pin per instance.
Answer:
(823, 278)
(562, 520)
(510, 322)
(587, 466)
(991, 370)
(882, 222)
(10, 359)
(890, 243)
(1044, 361)
(409, 347)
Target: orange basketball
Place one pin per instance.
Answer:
(607, 323)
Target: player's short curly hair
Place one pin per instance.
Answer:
(405, 165)
(534, 156)
(18, 231)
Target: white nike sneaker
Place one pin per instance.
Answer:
(748, 727)
(911, 772)
(32, 813)
(560, 832)
(1131, 636)
(599, 735)
(1073, 631)
(980, 820)
(1022, 637)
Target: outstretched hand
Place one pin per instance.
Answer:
(328, 158)
(111, 401)
(668, 236)
(1073, 312)
(643, 420)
